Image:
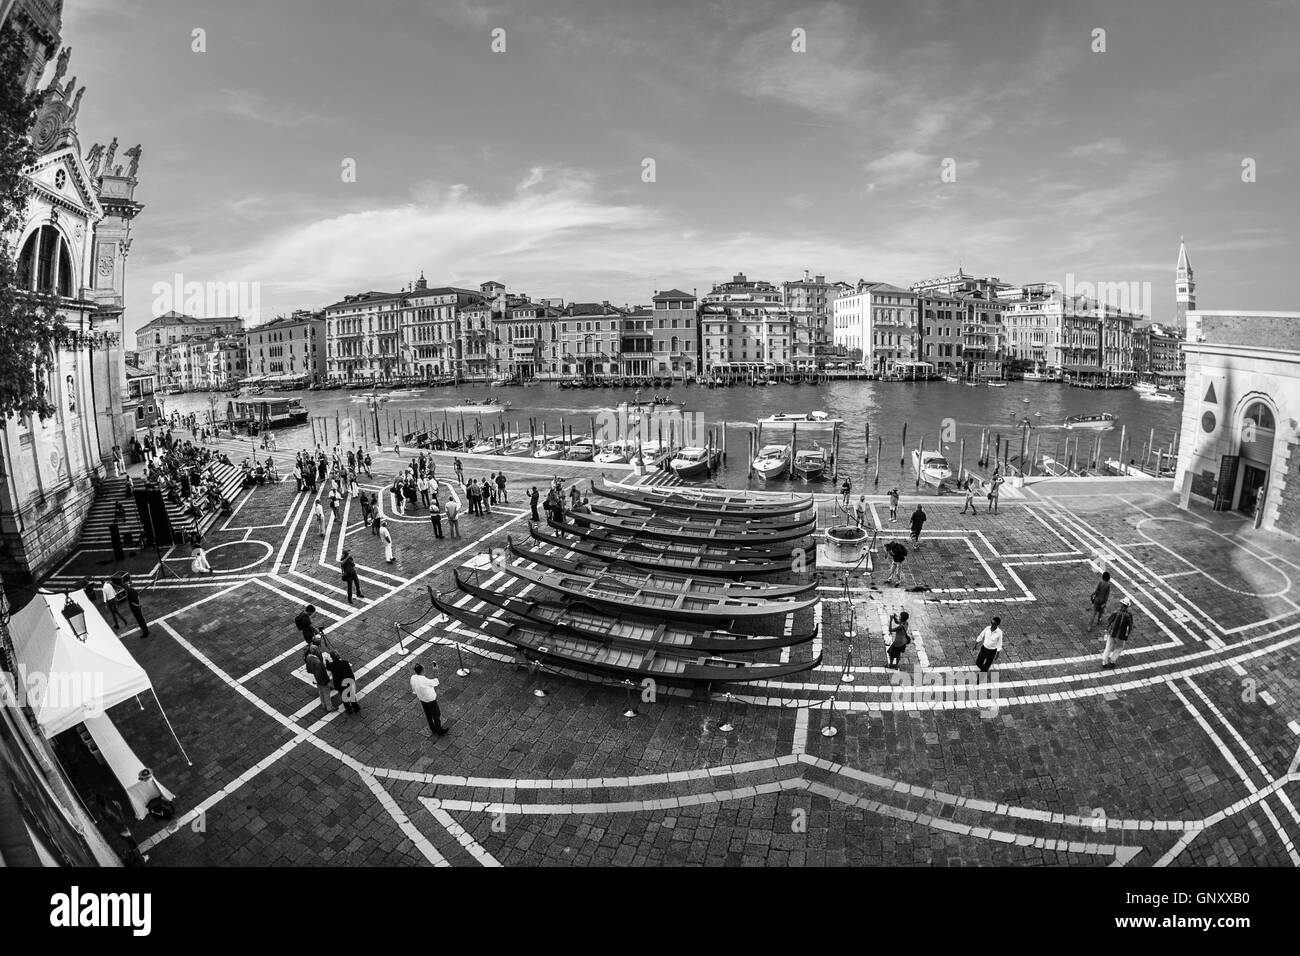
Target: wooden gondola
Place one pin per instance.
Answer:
(638, 555)
(750, 551)
(682, 605)
(556, 646)
(700, 502)
(659, 516)
(660, 580)
(627, 627)
(664, 529)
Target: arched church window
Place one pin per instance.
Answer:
(45, 265)
(1260, 416)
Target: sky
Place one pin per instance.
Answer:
(528, 166)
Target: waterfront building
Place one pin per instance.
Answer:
(362, 337)
(430, 330)
(746, 329)
(591, 340)
(810, 302)
(1070, 336)
(637, 343)
(1166, 356)
(675, 334)
(943, 318)
(1238, 446)
(155, 341)
(140, 404)
(881, 322)
(527, 340)
(289, 347)
(474, 335)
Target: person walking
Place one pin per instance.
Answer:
(533, 496)
(501, 486)
(425, 690)
(366, 465)
(314, 658)
(386, 537)
(110, 601)
(117, 461)
(970, 497)
(349, 569)
(1118, 628)
(893, 504)
(319, 512)
(988, 644)
(846, 487)
(334, 503)
(133, 602)
(453, 526)
(917, 522)
(899, 629)
(345, 682)
(1100, 595)
(897, 554)
(460, 470)
(860, 511)
(435, 518)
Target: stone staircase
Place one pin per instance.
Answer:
(95, 532)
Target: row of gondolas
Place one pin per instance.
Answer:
(655, 582)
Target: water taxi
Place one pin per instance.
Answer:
(614, 453)
(267, 412)
(691, 463)
(809, 463)
(1100, 422)
(1157, 397)
(932, 468)
(772, 461)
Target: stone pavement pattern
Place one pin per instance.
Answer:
(1183, 755)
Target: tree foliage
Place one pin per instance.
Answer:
(30, 326)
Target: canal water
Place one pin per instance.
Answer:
(942, 413)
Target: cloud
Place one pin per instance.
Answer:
(800, 201)
(247, 105)
(1107, 148)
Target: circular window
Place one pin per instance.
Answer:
(1208, 422)
(60, 179)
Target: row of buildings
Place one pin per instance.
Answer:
(958, 324)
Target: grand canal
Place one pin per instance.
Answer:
(928, 411)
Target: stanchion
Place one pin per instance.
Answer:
(401, 651)
(829, 729)
(461, 669)
(846, 675)
(851, 633)
(727, 726)
(631, 704)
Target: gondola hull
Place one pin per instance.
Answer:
(736, 522)
(768, 550)
(687, 531)
(550, 645)
(638, 555)
(626, 627)
(660, 579)
(700, 503)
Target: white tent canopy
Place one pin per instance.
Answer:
(81, 678)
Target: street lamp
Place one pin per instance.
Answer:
(75, 617)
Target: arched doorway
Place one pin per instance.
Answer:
(1258, 428)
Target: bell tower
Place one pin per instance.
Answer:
(1184, 288)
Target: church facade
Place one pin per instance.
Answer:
(72, 245)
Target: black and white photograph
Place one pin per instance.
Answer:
(720, 435)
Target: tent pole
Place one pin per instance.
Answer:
(179, 745)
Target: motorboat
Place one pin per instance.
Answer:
(614, 453)
(477, 408)
(691, 463)
(809, 463)
(554, 448)
(931, 467)
(520, 447)
(1157, 397)
(1035, 377)
(1147, 388)
(993, 383)
(584, 449)
(796, 417)
(1101, 422)
(772, 461)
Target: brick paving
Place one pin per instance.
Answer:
(1183, 755)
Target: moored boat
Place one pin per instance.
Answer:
(663, 529)
(691, 463)
(772, 461)
(809, 463)
(727, 563)
(931, 466)
(753, 550)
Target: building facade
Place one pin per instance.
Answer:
(362, 337)
(675, 334)
(51, 465)
(747, 330)
(288, 347)
(1239, 449)
(879, 325)
(157, 339)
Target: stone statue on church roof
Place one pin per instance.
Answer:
(134, 152)
(112, 152)
(60, 67)
(94, 158)
(76, 105)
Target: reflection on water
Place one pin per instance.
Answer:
(941, 413)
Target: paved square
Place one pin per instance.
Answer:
(1183, 755)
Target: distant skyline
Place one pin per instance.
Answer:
(526, 166)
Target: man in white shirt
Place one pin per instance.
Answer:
(988, 644)
(425, 690)
(110, 601)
